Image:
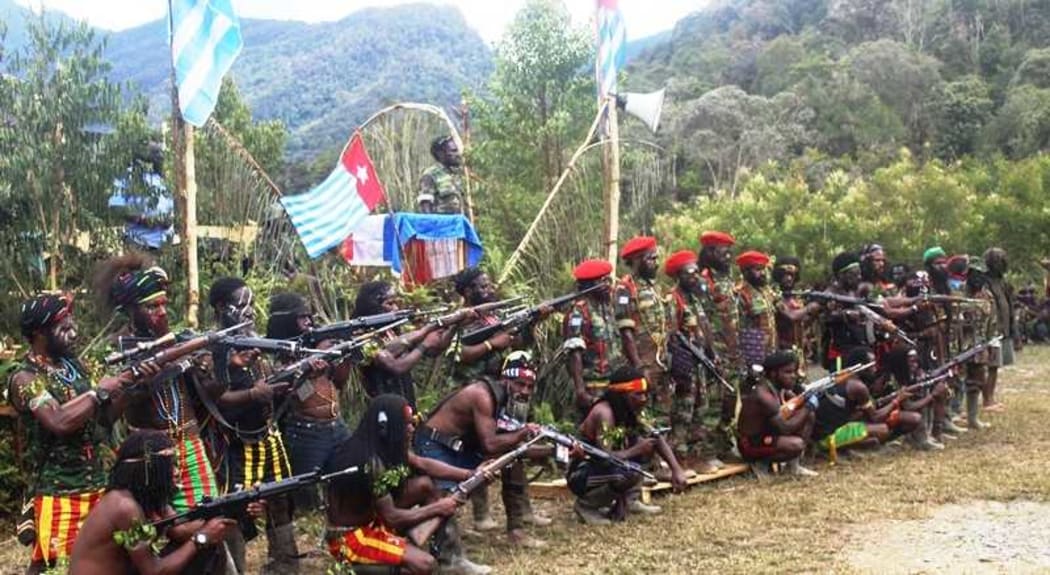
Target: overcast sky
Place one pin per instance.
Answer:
(488, 17)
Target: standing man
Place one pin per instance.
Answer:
(591, 341)
(792, 311)
(847, 328)
(641, 317)
(1003, 306)
(254, 449)
(130, 285)
(65, 418)
(757, 305)
(874, 281)
(440, 187)
(686, 316)
(719, 303)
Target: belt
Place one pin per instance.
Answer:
(452, 442)
(596, 384)
(312, 423)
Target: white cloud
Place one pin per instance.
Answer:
(488, 17)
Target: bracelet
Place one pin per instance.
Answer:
(488, 346)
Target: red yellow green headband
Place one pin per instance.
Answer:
(631, 386)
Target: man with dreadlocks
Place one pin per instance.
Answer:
(314, 422)
(366, 511)
(464, 429)
(440, 190)
(606, 493)
(252, 449)
(483, 361)
(875, 283)
(846, 416)
(131, 285)
(386, 365)
(719, 302)
(65, 417)
(117, 537)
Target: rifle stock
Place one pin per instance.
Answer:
(523, 317)
(821, 385)
(175, 352)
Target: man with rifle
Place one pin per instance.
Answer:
(979, 325)
(606, 492)
(590, 338)
(314, 422)
(66, 420)
(118, 535)
(770, 428)
(479, 355)
(902, 364)
(692, 442)
(130, 285)
(366, 512)
(1004, 305)
(792, 311)
(463, 431)
(250, 449)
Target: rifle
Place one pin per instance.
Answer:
(280, 346)
(523, 317)
(348, 328)
(234, 505)
(821, 385)
(295, 370)
(511, 424)
(964, 357)
(481, 476)
(865, 307)
(938, 298)
(171, 353)
(703, 360)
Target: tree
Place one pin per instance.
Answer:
(1034, 69)
(64, 136)
(1022, 126)
(963, 109)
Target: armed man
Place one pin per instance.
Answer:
(757, 305)
(440, 187)
(1004, 304)
(792, 311)
(464, 429)
(591, 340)
(66, 420)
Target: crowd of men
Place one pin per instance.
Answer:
(717, 356)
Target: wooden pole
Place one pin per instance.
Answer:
(612, 182)
(464, 110)
(186, 204)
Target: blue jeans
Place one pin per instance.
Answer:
(309, 444)
(465, 459)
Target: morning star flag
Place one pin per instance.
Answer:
(205, 40)
(612, 46)
(327, 214)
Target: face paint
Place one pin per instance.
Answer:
(242, 308)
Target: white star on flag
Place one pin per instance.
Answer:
(362, 174)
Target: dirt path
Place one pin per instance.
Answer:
(981, 537)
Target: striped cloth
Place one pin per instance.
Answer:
(58, 522)
(371, 544)
(205, 40)
(612, 46)
(194, 477)
(249, 464)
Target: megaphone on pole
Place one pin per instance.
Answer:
(645, 107)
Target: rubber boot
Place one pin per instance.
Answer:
(479, 503)
(283, 551)
(794, 467)
(973, 410)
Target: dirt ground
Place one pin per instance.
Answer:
(981, 506)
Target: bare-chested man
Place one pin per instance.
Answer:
(769, 433)
(116, 538)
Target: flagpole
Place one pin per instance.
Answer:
(612, 181)
(185, 190)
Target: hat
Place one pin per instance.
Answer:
(714, 238)
(637, 245)
(678, 261)
(933, 253)
(752, 258)
(592, 270)
(959, 264)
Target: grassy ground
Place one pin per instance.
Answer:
(798, 526)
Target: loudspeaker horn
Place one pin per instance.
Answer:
(645, 107)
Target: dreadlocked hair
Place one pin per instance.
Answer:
(222, 289)
(622, 412)
(142, 471)
(380, 438)
(107, 272)
(366, 302)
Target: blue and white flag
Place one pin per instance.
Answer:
(612, 46)
(205, 40)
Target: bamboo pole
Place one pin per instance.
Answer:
(612, 193)
(185, 191)
(514, 257)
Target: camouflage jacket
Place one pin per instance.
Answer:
(443, 188)
(589, 327)
(640, 306)
(719, 304)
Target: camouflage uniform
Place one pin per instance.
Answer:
(589, 327)
(640, 306)
(757, 308)
(719, 304)
(443, 188)
(791, 334)
(685, 314)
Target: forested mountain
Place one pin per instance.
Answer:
(322, 79)
(756, 80)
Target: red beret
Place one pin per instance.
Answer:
(592, 270)
(635, 246)
(712, 238)
(679, 260)
(752, 258)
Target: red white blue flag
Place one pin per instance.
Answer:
(612, 46)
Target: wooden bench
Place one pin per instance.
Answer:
(558, 489)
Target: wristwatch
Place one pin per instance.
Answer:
(102, 394)
(200, 539)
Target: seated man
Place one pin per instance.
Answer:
(902, 363)
(767, 431)
(462, 431)
(847, 416)
(366, 511)
(612, 423)
(117, 536)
